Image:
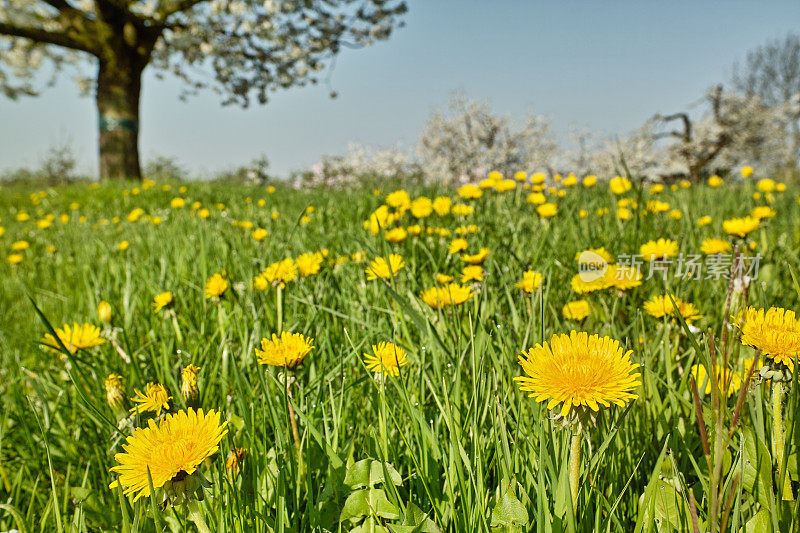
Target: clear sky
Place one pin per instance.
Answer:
(606, 66)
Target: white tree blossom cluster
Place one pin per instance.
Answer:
(358, 164)
(467, 140)
(242, 49)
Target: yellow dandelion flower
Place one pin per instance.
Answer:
(478, 258)
(776, 332)
(579, 370)
(740, 226)
(288, 351)
(443, 278)
(421, 207)
(575, 310)
(536, 198)
(623, 277)
(766, 185)
(309, 264)
(763, 211)
(15, 259)
(396, 235)
(462, 209)
(547, 210)
(441, 297)
(704, 221)
(386, 358)
(582, 284)
(531, 280)
(472, 273)
(623, 213)
(457, 245)
(442, 205)
(604, 254)
(155, 398)
(661, 305)
(259, 234)
(505, 185)
(715, 246)
(75, 337)
(469, 192)
(619, 185)
(162, 300)
(724, 375)
(659, 249)
(279, 273)
(167, 452)
(379, 268)
(216, 286)
(400, 200)
(657, 206)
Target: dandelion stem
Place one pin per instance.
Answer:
(176, 326)
(778, 442)
(575, 465)
(197, 517)
(293, 423)
(279, 307)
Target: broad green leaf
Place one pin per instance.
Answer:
(509, 511)
(756, 468)
(376, 474)
(760, 523)
(358, 474)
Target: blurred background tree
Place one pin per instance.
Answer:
(242, 49)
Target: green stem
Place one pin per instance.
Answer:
(197, 517)
(279, 307)
(575, 465)
(223, 320)
(176, 326)
(778, 442)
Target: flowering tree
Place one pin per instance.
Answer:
(637, 153)
(360, 164)
(469, 140)
(772, 73)
(737, 128)
(242, 49)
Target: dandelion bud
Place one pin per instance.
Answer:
(114, 391)
(234, 461)
(104, 312)
(189, 386)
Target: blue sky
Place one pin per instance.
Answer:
(606, 66)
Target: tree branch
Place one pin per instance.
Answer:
(47, 37)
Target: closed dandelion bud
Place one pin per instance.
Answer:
(114, 391)
(234, 461)
(104, 312)
(189, 386)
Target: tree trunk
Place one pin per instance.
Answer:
(119, 83)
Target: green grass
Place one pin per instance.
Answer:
(457, 446)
